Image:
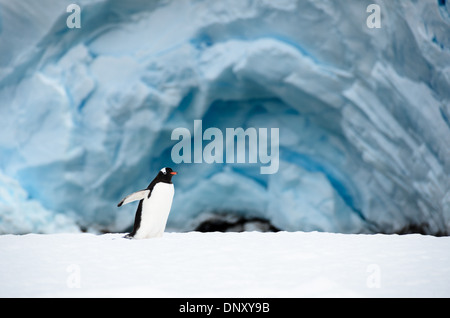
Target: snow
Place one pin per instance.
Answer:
(247, 264)
(363, 114)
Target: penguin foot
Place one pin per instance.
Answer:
(128, 236)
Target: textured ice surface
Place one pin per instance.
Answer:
(364, 114)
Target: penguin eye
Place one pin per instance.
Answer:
(163, 170)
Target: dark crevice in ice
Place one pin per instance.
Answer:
(235, 223)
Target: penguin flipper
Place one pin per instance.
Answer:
(139, 195)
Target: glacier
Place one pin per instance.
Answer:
(363, 114)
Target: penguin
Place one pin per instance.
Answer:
(154, 206)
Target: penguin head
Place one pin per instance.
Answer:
(166, 174)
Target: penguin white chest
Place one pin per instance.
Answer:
(155, 211)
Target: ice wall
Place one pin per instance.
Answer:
(86, 114)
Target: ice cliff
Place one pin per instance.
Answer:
(86, 114)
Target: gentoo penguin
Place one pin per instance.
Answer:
(154, 206)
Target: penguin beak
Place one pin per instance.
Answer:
(174, 172)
